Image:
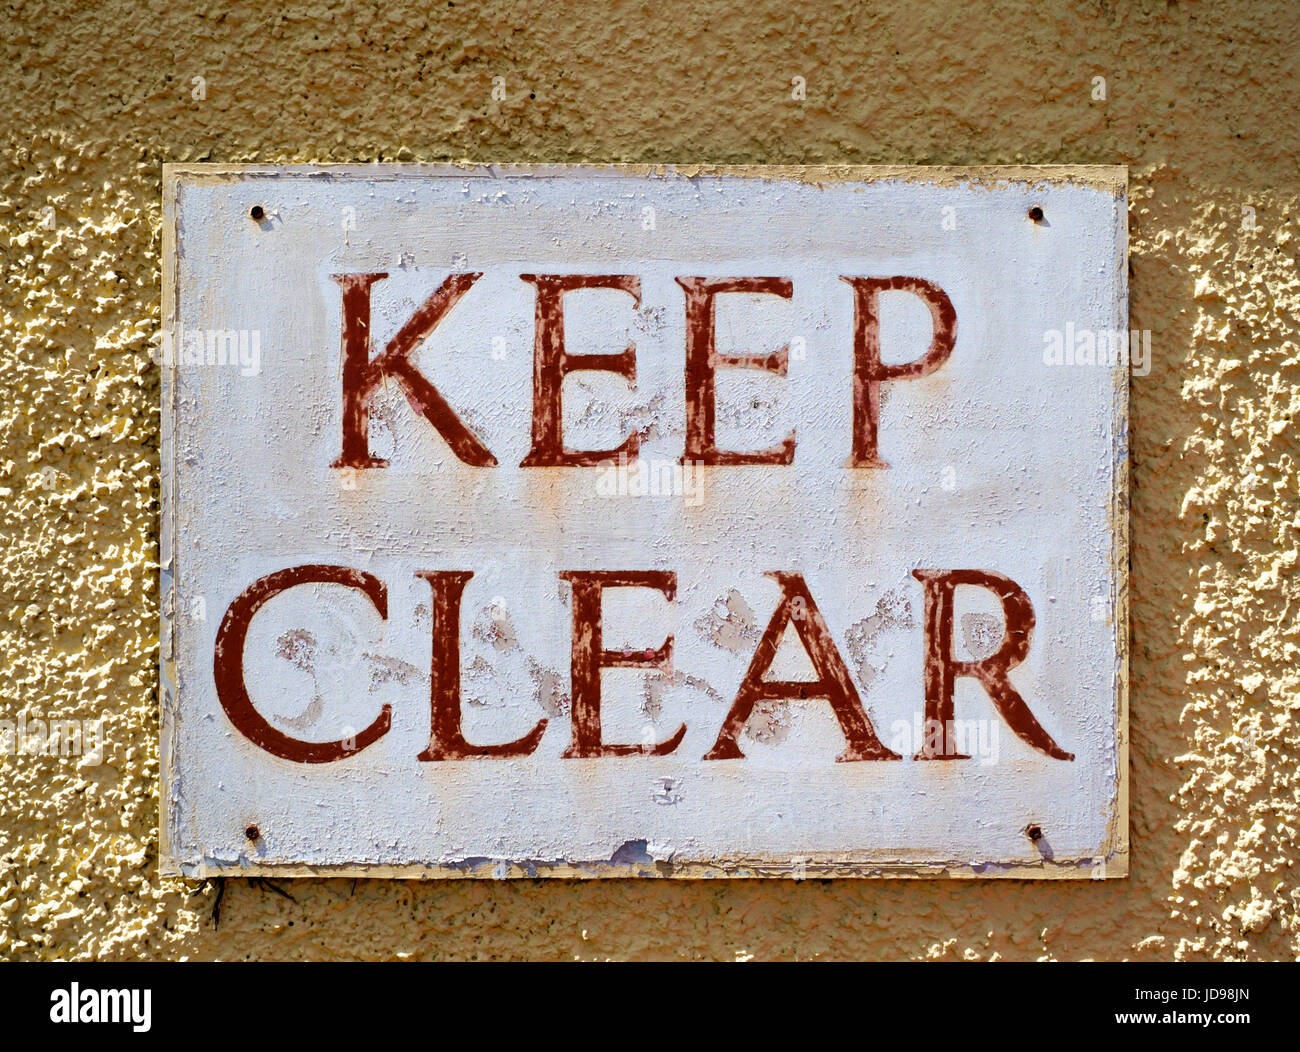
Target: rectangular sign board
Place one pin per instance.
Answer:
(626, 521)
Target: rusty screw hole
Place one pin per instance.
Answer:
(1034, 832)
(257, 212)
(253, 833)
(1036, 214)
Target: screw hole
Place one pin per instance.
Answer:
(253, 833)
(258, 213)
(1034, 832)
(1036, 214)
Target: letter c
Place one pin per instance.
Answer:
(228, 663)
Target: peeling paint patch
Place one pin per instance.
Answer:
(298, 647)
(549, 691)
(893, 611)
(769, 723)
(730, 624)
(493, 626)
(632, 853)
(387, 669)
(981, 634)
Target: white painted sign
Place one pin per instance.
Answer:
(607, 521)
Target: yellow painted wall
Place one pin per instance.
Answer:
(1201, 101)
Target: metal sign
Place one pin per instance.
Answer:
(613, 521)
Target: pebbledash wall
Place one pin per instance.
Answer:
(1199, 99)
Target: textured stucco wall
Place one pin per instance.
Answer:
(1201, 102)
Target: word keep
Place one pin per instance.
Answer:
(365, 372)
